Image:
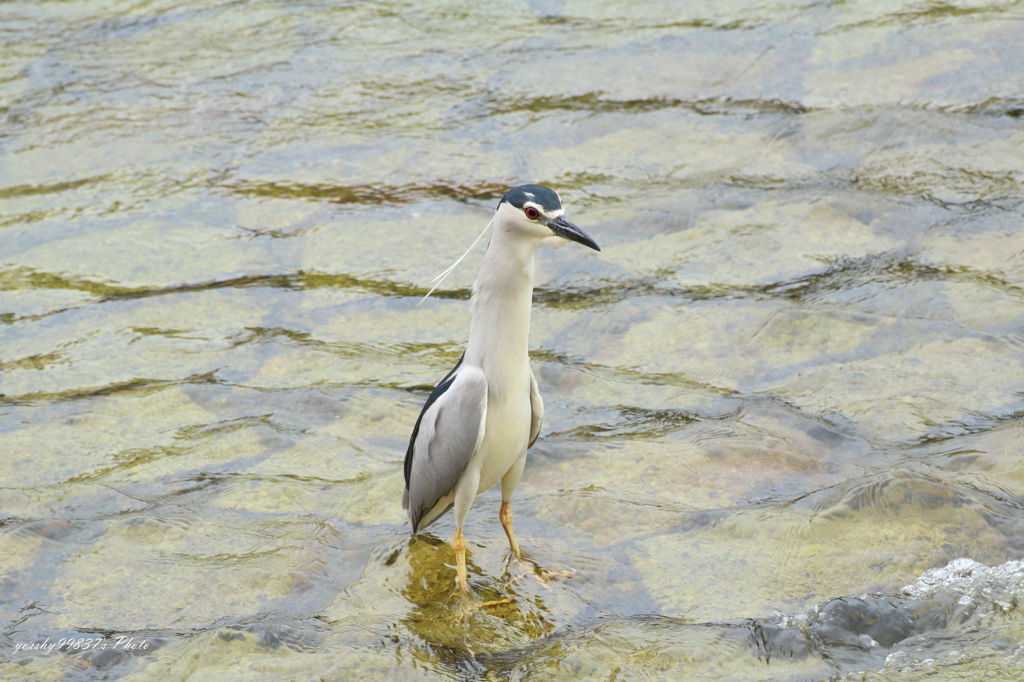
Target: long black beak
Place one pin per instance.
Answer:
(566, 230)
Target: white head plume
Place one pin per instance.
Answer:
(440, 278)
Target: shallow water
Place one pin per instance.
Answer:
(789, 385)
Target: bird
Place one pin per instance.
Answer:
(479, 421)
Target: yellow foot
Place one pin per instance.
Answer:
(544, 577)
(496, 602)
(468, 608)
(539, 574)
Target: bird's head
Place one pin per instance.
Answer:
(536, 211)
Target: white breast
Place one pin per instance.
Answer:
(507, 430)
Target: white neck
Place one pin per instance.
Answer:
(500, 328)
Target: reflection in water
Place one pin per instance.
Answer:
(455, 629)
(793, 373)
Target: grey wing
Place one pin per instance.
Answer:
(536, 409)
(448, 434)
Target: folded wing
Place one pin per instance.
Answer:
(536, 409)
(444, 440)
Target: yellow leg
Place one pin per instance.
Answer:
(459, 542)
(506, 522)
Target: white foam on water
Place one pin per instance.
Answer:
(976, 584)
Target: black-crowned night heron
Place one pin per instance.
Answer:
(479, 421)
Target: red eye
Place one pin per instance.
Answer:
(531, 212)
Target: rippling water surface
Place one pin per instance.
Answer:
(789, 386)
